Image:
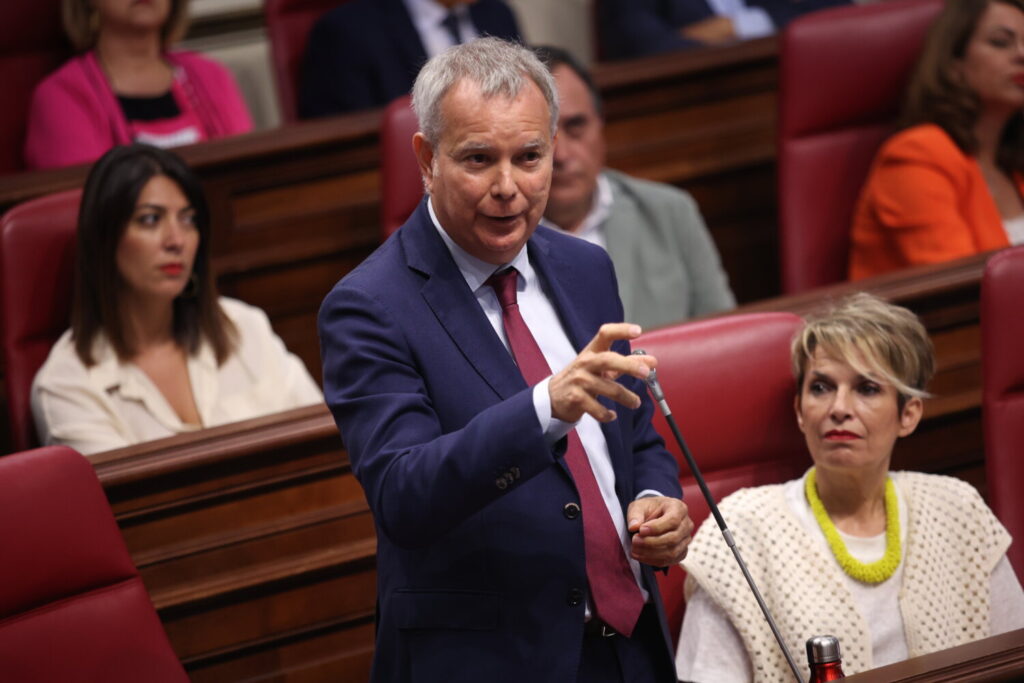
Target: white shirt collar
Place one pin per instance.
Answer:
(592, 227)
(474, 270)
(426, 11)
(427, 15)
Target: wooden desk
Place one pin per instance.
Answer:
(256, 545)
(296, 208)
(999, 658)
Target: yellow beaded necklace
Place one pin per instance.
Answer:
(875, 572)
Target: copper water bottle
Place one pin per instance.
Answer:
(824, 660)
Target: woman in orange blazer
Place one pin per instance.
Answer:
(950, 184)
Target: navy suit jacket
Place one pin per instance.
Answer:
(480, 569)
(366, 53)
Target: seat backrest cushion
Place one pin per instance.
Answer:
(37, 253)
(728, 384)
(401, 184)
(32, 44)
(72, 605)
(1002, 327)
(288, 25)
(843, 72)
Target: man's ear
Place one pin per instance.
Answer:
(913, 409)
(425, 158)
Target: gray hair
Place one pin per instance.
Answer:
(497, 66)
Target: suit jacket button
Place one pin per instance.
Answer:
(501, 483)
(515, 472)
(571, 510)
(574, 597)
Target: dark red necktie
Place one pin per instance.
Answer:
(614, 595)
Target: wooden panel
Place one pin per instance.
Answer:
(991, 660)
(255, 543)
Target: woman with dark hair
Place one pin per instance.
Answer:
(950, 184)
(126, 85)
(152, 351)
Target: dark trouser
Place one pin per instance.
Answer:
(617, 659)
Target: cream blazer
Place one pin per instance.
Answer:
(114, 404)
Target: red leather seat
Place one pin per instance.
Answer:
(288, 25)
(401, 186)
(843, 72)
(1002, 329)
(72, 605)
(32, 44)
(37, 255)
(729, 385)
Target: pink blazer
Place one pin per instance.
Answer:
(74, 116)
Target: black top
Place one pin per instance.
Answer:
(149, 108)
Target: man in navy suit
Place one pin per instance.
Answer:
(484, 562)
(366, 53)
(634, 28)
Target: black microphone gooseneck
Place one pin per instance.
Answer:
(659, 397)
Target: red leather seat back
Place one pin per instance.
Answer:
(1002, 329)
(288, 25)
(401, 186)
(32, 44)
(843, 72)
(728, 383)
(72, 605)
(37, 256)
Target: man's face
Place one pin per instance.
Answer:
(490, 172)
(579, 154)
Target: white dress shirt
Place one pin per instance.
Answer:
(542, 319)
(427, 16)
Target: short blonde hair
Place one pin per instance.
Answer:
(876, 338)
(82, 29)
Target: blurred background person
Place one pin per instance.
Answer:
(949, 184)
(895, 564)
(365, 53)
(127, 85)
(152, 350)
(666, 263)
(635, 28)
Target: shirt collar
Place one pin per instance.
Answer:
(430, 12)
(592, 226)
(474, 270)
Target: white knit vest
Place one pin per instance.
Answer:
(953, 544)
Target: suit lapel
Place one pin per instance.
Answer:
(558, 275)
(402, 34)
(446, 293)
